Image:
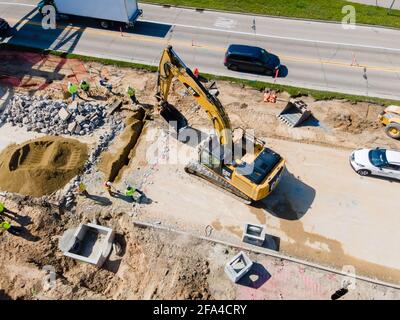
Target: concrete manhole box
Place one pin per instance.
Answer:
(238, 266)
(254, 234)
(89, 243)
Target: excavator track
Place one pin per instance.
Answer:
(199, 170)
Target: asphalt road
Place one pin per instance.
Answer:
(325, 56)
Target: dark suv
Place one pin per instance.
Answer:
(251, 59)
(4, 28)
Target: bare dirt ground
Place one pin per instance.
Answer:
(153, 264)
(331, 217)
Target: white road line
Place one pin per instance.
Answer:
(17, 4)
(252, 33)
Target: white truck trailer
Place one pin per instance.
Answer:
(106, 11)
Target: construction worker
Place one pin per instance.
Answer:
(81, 189)
(2, 207)
(103, 83)
(73, 90)
(4, 225)
(132, 94)
(130, 192)
(84, 85)
(270, 96)
(108, 186)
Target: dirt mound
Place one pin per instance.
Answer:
(41, 166)
(353, 124)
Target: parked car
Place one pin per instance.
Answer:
(251, 59)
(4, 28)
(378, 162)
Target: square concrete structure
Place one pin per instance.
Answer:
(90, 243)
(254, 234)
(238, 266)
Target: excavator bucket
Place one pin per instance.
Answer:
(295, 113)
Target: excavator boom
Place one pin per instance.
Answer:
(172, 66)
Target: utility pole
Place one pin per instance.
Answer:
(391, 6)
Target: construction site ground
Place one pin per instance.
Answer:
(321, 212)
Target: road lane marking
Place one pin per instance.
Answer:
(214, 48)
(254, 33)
(18, 4)
(225, 23)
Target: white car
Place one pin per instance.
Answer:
(378, 162)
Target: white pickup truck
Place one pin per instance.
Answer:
(106, 11)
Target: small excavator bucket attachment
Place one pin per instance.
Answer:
(295, 113)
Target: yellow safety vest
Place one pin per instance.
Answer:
(5, 225)
(2, 207)
(130, 193)
(72, 89)
(84, 86)
(131, 92)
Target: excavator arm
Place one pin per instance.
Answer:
(171, 66)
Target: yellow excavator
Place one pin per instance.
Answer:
(232, 160)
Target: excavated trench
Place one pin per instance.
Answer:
(113, 162)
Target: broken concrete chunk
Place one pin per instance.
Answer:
(80, 119)
(72, 126)
(78, 129)
(73, 107)
(64, 114)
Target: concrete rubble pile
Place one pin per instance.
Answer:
(53, 117)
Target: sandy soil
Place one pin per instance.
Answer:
(41, 166)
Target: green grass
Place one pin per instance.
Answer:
(259, 85)
(330, 10)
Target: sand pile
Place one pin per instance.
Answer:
(41, 166)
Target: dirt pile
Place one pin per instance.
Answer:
(353, 124)
(41, 166)
(114, 161)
